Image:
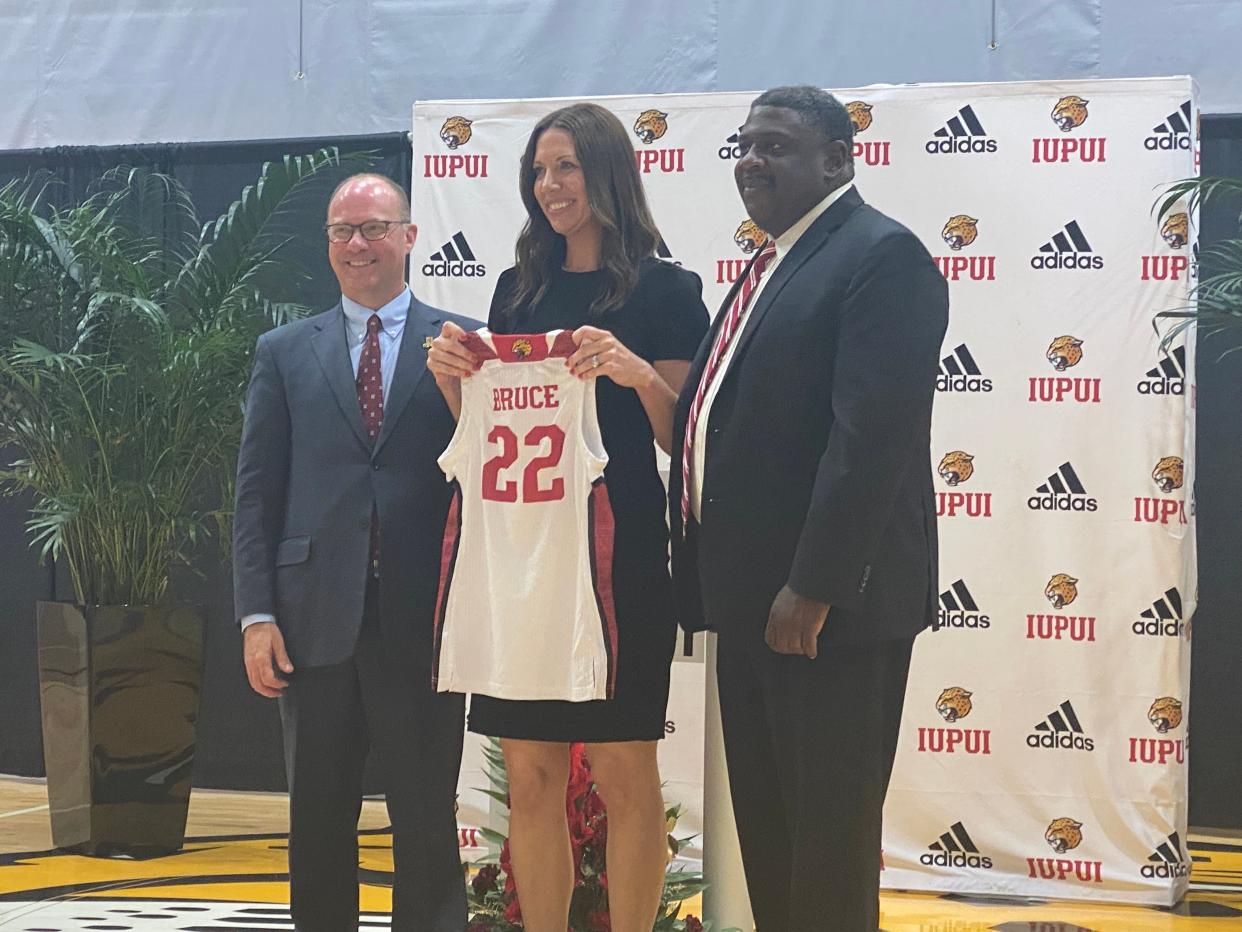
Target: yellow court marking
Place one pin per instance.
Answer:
(253, 869)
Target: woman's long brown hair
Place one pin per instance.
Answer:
(614, 195)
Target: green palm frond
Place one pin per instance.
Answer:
(1214, 304)
(126, 328)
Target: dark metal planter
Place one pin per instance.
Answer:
(119, 688)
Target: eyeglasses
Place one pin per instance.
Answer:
(371, 230)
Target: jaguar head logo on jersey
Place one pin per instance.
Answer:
(956, 467)
(961, 230)
(1062, 589)
(860, 115)
(1070, 112)
(749, 237)
(1176, 230)
(650, 126)
(1165, 714)
(1168, 473)
(522, 348)
(456, 131)
(1063, 835)
(1064, 352)
(954, 703)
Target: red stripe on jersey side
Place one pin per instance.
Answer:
(599, 512)
(448, 563)
(477, 345)
(563, 346)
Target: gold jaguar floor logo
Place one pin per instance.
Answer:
(1176, 230)
(1062, 589)
(1070, 112)
(1165, 714)
(650, 126)
(956, 467)
(954, 703)
(1064, 352)
(1168, 473)
(860, 115)
(522, 348)
(961, 230)
(749, 236)
(456, 131)
(1063, 835)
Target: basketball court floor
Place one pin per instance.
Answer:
(232, 875)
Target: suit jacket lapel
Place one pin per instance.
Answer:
(806, 246)
(332, 350)
(420, 322)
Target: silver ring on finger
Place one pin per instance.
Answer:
(595, 361)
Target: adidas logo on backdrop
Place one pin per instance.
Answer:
(960, 373)
(1067, 249)
(958, 609)
(1063, 491)
(1061, 729)
(454, 259)
(963, 134)
(955, 848)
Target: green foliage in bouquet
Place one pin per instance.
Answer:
(492, 893)
(126, 331)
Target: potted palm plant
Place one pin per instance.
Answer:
(1216, 300)
(126, 329)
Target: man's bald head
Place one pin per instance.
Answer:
(371, 179)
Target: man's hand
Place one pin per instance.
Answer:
(263, 648)
(794, 623)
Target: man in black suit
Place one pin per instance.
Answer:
(339, 519)
(806, 534)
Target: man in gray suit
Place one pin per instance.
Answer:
(340, 514)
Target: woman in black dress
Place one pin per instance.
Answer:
(586, 262)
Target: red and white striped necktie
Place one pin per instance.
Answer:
(730, 327)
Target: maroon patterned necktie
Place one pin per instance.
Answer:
(370, 387)
(724, 337)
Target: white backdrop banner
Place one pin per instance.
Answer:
(1043, 750)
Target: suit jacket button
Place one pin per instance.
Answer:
(364, 524)
(375, 466)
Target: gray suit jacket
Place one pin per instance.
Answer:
(307, 478)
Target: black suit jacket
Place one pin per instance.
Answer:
(818, 471)
(307, 477)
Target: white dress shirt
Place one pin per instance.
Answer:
(784, 243)
(392, 322)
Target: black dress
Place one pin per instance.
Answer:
(663, 319)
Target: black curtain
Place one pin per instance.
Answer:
(239, 745)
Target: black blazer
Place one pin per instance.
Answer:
(307, 476)
(818, 470)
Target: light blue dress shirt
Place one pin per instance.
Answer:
(392, 318)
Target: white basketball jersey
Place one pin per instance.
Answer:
(525, 608)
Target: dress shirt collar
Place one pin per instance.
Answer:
(392, 315)
(785, 241)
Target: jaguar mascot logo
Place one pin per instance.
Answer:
(1064, 352)
(1168, 473)
(960, 231)
(522, 348)
(749, 236)
(456, 131)
(650, 126)
(956, 467)
(1165, 714)
(1176, 230)
(860, 115)
(1063, 834)
(954, 703)
(1069, 113)
(1062, 589)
